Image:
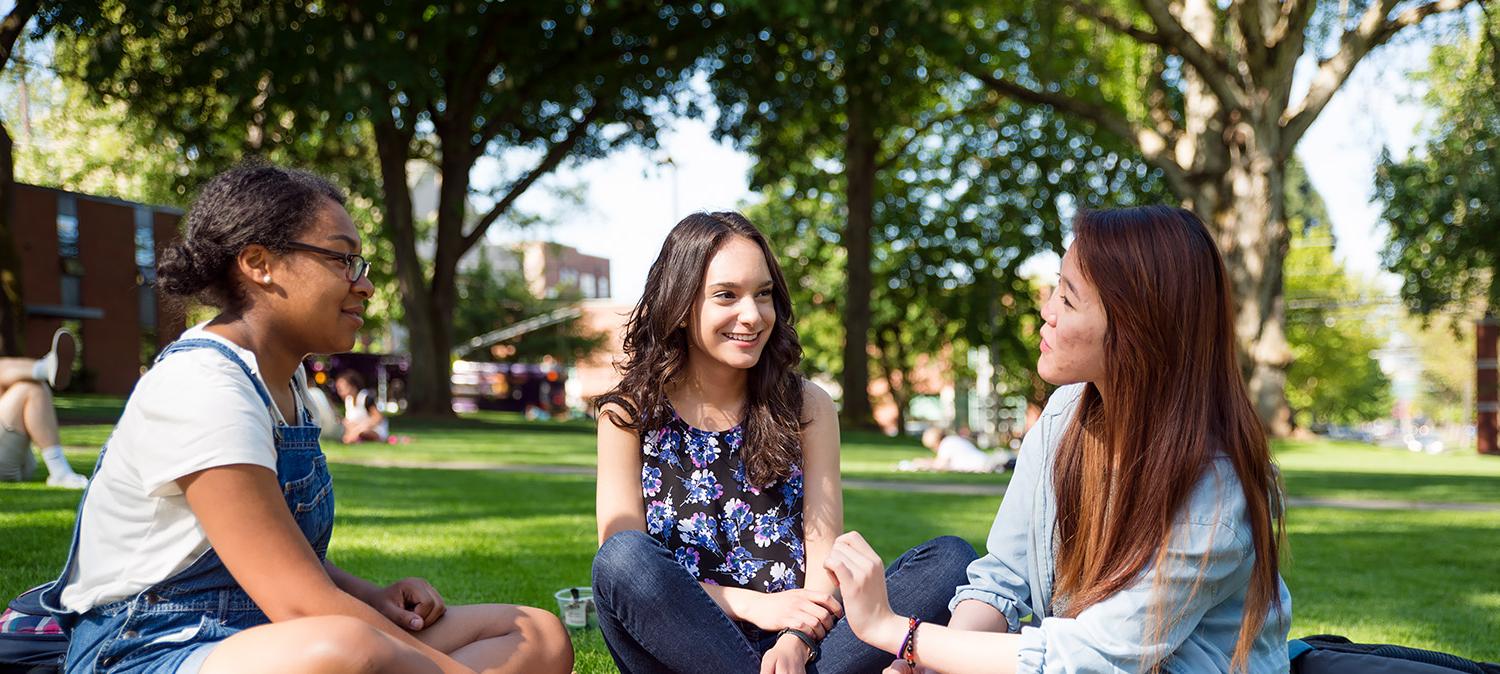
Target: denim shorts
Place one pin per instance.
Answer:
(156, 634)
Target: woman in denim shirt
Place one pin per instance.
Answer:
(1141, 529)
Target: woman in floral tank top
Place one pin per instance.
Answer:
(719, 494)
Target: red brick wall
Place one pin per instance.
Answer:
(106, 247)
(41, 273)
(106, 242)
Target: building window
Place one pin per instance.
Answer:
(145, 266)
(604, 286)
(586, 285)
(72, 290)
(67, 226)
(145, 240)
(67, 250)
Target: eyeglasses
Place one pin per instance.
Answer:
(355, 266)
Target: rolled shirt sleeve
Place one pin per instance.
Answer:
(1003, 577)
(1000, 577)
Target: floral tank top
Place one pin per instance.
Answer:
(724, 530)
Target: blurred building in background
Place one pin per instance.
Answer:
(89, 263)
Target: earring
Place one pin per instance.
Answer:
(268, 278)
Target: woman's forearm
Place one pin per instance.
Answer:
(733, 601)
(357, 587)
(945, 649)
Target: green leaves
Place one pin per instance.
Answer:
(1335, 377)
(1441, 203)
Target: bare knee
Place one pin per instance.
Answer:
(344, 645)
(30, 390)
(544, 640)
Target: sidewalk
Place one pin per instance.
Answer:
(922, 487)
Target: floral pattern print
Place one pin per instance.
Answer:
(724, 530)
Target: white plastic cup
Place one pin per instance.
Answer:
(576, 606)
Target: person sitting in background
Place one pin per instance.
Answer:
(953, 452)
(26, 414)
(363, 421)
(956, 453)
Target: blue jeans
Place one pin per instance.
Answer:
(170, 627)
(656, 618)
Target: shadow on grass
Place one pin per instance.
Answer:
(1393, 486)
(1404, 577)
(1425, 579)
(394, 495)
(488, 421)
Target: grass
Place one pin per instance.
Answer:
(1419, 578)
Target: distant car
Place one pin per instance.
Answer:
(508, 387)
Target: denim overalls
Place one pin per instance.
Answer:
(171, 626)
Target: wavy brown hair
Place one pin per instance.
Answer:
(1128, 462)
(656, 348)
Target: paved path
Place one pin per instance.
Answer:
(919, 487)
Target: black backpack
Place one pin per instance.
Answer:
(31, 642)
(1332, 654)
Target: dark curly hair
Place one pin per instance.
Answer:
(253, 203)
(656, 349)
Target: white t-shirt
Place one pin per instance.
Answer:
(193, 410)
(961, 455)
(357, 409)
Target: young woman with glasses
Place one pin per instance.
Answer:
(201, 543)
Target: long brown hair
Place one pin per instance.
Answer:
(1128, 462)
(656, 348)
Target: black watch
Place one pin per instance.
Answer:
(811, 643)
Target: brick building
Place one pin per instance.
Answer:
(89, 263)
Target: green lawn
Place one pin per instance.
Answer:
(1425, 579)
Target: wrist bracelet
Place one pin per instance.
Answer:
(908, 650)
(812, 644)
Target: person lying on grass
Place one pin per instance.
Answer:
(719, 493)
(201, 541)
(1141, 529)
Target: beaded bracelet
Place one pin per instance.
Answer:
(908, 650)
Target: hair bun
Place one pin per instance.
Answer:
(179, 271)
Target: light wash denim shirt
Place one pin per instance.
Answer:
(1210, 546)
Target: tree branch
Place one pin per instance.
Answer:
(1287, 40)
(1152, 145)
(918, 132)
(1211, 67)
(1373, 30)
(1117, 24)
(1293, 20)
(12, 27)
(555, 154)
(1414, 15)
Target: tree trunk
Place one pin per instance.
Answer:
(11, 303)
(427, 385)
(1235, 175)
(453, 194)
(1244, 207)
(12, 307)
(895, 378)
(859, 167)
